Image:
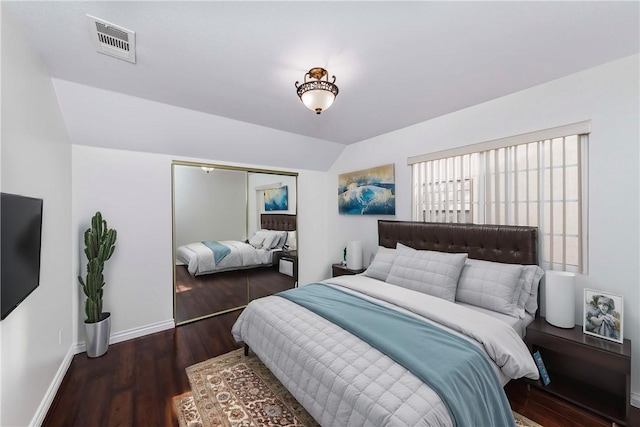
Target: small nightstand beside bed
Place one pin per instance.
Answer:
(390, 360)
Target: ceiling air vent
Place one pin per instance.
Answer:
(113, 40)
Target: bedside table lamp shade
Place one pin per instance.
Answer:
(560, 298)
(354, 255)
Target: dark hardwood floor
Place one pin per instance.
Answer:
(212, 293)
(268, 281)
(552, 412)
(134, 383)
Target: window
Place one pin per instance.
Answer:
(536, 179)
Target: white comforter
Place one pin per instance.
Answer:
(341, 380)
(199, 258)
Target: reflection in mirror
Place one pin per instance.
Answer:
(234, 237)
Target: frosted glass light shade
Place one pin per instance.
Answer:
(318, 100)
(560, 298)
(317, 92)
(354, 255)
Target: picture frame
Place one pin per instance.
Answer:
(276, 199)
(603, 315)
(368, 192)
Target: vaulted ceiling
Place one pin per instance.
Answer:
(396, 63)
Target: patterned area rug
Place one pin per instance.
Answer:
(233, 390)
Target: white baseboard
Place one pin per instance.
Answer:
(132, 333)
(46, 402)
(635, 399)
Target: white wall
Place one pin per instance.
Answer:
(133, 192)
(36, 161)
(314, 234)
(209, 205)
(608, 96)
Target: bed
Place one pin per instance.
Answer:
(341, 378)
(260, 250)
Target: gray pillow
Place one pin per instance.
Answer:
(283, 239)
(528, 300)
(381, 264)
(257, 240)
(273, 239)
(495, 286)
(429, 272)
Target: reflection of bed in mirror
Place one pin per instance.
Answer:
(262, 249)
(249, 269)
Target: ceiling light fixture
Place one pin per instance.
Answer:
(317, 94)
(207, 169)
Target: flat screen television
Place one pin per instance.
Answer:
(21, 235)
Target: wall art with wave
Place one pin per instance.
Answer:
(368, 192)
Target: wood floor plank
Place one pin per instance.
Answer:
(148, 397)
(199, 351)
(123, 377)
(120, 413)
(90, 414)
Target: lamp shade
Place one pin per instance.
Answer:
(318, 99)
(560, 298)
(317, 94)
(354, 255)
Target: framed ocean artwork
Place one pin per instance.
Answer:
(368, 192)
(276, 199)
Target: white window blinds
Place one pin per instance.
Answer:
(537, 179)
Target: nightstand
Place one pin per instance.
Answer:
(292, 257)
(587, 371)
(342, 270)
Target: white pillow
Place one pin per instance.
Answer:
(283, 238)
(495, 286)
(264, 239)
(256, 240)
(279, 240)
(429, 272)
(381, 264)
(270, 240)
(530, 277)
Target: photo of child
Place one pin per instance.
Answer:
(603, 315)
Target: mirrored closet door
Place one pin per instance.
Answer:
(234, 237)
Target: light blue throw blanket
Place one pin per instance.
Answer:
(219, 250)
(454, 368)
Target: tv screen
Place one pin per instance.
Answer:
(20, 232)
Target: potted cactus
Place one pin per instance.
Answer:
(99, 243)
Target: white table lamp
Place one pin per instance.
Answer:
(354, 255)
(560, 298)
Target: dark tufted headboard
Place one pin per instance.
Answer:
(498, 243)
(281, 222)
